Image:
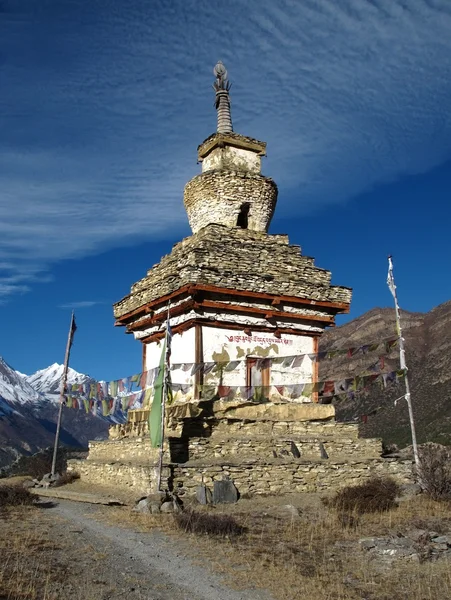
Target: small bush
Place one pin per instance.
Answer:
(15, 495)
(67, 477)
(435, 471)
(204, 523)
(375, 495)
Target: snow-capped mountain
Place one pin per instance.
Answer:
(29, 408)
(15, 388)
(48, 381)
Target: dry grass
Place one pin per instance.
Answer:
(26, 566)
(15, 495)
(315, 555)
(40, 559)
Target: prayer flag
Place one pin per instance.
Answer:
(157, 404)
(391, 279)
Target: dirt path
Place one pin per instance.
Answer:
(128, 564)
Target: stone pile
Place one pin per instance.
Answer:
(416, 545)
(47, 481)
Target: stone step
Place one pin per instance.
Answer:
(181, 450)
(134, 477)
(137, 448)
(61, 494)
(316, 429)
(267, 476)
(311, 447)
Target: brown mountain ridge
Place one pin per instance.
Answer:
(428, 356)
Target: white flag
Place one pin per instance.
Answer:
(390, 278)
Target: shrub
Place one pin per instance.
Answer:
(15, 495)
(204, 523)
(67, 477)
(435, 471)
(375, 495)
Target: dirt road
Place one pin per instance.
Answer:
(117, 563)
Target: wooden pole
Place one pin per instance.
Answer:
(62, 390)
(402, 359)
(163, 405)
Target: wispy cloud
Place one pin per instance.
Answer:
(102, 110)
(80, 304)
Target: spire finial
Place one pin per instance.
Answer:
(222, 101)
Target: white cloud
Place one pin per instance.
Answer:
(103, 111)
(80, 304)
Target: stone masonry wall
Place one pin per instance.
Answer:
(217, 196)
(277, 477)
(251, 477)
(204, 448)
(135, 449)
(227, 257)
(138, 479)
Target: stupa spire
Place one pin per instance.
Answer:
(222, 100)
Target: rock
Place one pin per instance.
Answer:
(55, 479)
(294, 450)
(177, 504)
(28, 483)
(158, 497)
(417, 534)
(224, 492)
(442, 539)
(322, 451)
(292, 510)
(167, 507)
(203, 495)
(143, 506)
(154, 508)
(48, 479)
(410, 489)
(367, 543)
(439, 546)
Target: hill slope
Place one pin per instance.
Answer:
(428, 354)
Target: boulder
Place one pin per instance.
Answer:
(143, 506)
(28, 483)
(204, 495)
(167, 507)
(224, 492)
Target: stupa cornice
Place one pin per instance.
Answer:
(236, 140)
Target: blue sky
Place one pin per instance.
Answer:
(103, 104)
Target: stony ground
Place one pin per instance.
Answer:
(84, 557)
(293, 547)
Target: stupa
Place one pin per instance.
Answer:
(246, 310)
(234, 291)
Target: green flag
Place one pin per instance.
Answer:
(157, 403)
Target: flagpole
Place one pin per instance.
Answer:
(163, 406)
(62, 390)
(402, 359)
